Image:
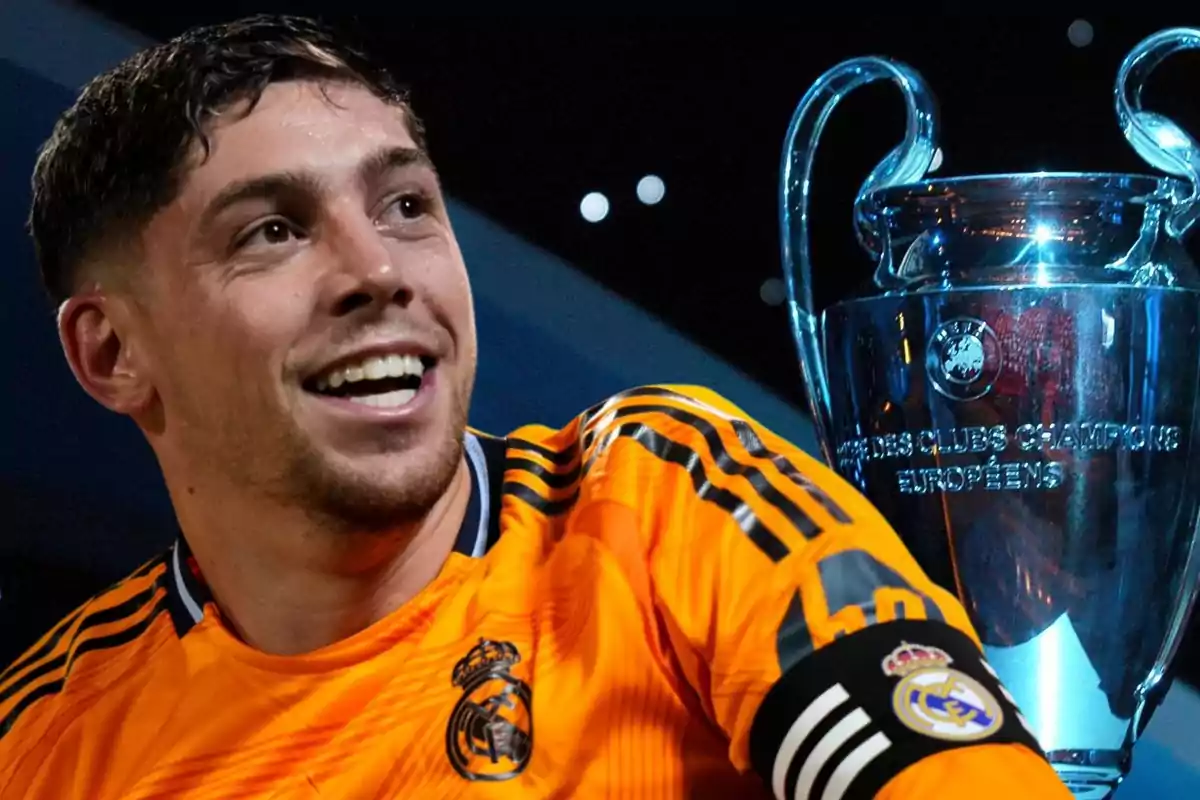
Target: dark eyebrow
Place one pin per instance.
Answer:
(388, 158)
(278, 184)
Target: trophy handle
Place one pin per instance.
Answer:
(1159, 141)
(905, 164)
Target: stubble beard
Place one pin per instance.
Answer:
(357, 504)
(290, 470)
(348, 501)
(363, 504)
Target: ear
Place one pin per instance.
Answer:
(96, 333)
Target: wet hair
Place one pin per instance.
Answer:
(119, 154)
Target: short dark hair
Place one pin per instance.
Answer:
(117, 156)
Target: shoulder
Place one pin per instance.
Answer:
(671, 445)
(668, 404)
(661, 422)
(95, 647)
(669, 408)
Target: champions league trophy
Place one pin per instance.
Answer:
(1018, 397)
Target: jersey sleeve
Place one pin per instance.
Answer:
(834, 666)
(51, 692)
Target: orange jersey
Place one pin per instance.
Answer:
(659, 600)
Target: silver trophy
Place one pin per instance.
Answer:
(1018, 397)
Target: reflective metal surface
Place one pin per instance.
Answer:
(1019, 398)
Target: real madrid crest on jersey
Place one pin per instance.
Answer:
(489, 736)
(936, 700)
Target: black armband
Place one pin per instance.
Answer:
(852, 715)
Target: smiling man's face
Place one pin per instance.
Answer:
(306, 315)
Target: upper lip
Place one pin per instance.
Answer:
(397, 347)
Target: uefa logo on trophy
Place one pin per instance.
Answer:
(963, 358)
(1018, 397)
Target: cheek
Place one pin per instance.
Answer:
(458, 310)
(449, 284)
(460, 292)
(438, 277)
(217, 344)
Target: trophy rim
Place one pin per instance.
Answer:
(1131, 186)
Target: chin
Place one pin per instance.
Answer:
(377, 491)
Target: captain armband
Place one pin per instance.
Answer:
(855, 713)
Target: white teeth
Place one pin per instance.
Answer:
(387, 399)
(374, 368)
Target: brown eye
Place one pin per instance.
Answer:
(411, 206)
(407, 214)
(275, 232)
(271, 233)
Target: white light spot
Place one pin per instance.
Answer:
(1042, 234)
(1079, 33)
(1170, 138)
(772, 292)
(651, 189)
(937, 160)
(594, 206)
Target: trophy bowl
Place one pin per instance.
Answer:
(1018, 397)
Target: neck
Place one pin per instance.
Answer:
(288, 585)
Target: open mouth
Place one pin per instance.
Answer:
(379, 381)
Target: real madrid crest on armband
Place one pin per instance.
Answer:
(936, 700)
(489, 736)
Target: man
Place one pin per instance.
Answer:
(253, 261)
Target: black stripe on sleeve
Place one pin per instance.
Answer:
(63, 626)
(64, 663)
(118, 613)
(561, 458)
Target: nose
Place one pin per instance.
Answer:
(363, 271)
